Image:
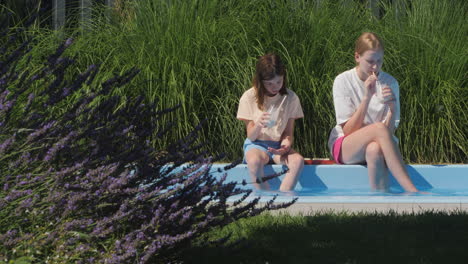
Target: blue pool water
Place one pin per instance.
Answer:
(349, 184)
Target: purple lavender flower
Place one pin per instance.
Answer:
(110, 183)
(126, 130)
(15, 194)
(6, 144)
(59, 176)
(27, 203)
(30, 97)
(10, 234)
(40, 131)
(66, 91)
(5, 93)
(68, 42)
(78, 224)
(94, 69)
(5, 107)
(59, 145)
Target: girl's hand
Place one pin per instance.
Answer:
(370, 84)
(263, 119)
(283, 150)
(389, 97)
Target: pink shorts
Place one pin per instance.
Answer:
(337, 149)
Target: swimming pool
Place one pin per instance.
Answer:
(342, 184)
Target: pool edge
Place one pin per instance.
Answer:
(399, 208)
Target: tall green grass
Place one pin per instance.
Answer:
(201, 54)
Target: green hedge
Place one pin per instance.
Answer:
(201, 54)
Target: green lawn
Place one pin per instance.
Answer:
(427, 237)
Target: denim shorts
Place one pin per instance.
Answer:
(261, 145)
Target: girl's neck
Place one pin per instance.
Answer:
(360, 74)
(271, 95)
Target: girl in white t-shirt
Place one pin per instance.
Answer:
(367, 118)
(269, 110)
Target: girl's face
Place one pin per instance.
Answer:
(273, 86)
(368, 62)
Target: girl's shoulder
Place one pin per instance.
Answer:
(251, 90)
(346, 75)
(249, 93)
(291, 94)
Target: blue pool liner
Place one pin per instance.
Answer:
(350, 184)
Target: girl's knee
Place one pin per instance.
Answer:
(381, 128)
(300, 159)
(296, 160)
(374, 153)
(374, 149)
(255, 159)
(380, 131)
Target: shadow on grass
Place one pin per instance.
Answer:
(429, 237)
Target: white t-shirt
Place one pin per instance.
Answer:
(348, 91)
(291, 108)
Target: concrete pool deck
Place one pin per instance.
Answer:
(323, 188)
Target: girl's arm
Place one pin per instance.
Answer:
(287, 139)
(390, 120)
(254, 127)
(357, 119)
(390, 102)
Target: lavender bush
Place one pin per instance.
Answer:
(80, 180)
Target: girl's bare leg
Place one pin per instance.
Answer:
(355, 145)
(295, 163)
(376, 167)
(256, 160)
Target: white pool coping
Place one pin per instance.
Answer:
(400, 208)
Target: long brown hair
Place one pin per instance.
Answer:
(268, 66)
